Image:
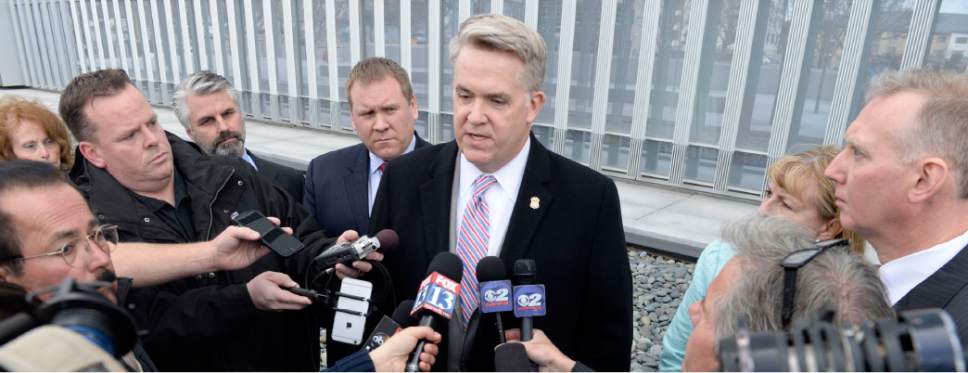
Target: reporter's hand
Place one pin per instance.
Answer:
(359, 267)
(238, 247)
(392, 356)
(268, 292)
(542, 352)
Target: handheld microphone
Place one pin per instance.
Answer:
(495, 290)
(436, 299)
(529, 298)
(347, 252)
(512, 357)
(388, 326)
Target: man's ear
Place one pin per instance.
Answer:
(92, 153)
(932, 174)
(535, 104)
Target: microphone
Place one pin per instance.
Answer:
(436, 299)
(495, 290)
(512, 357)
(347, 252)
(529, 298)
(388, 326)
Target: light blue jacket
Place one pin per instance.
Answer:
(711, 261)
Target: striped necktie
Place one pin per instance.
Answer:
(472, 243)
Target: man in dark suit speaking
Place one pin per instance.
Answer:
(902, 184)
(208, 108)
(341, 184)
(496, 191)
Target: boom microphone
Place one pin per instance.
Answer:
(348, 252)
(436, 299)
(495, 290)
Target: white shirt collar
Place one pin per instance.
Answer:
(508, 177)
(376, 161)
(901, 275)
(248, 158)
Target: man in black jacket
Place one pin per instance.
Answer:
(496, 191)
(158, 188)
(208, 107)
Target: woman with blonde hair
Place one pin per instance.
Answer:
(28, 130)
(796, 190)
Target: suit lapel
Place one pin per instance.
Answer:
(357, 191)
(534, 199)
(435, 196)
(938, 289)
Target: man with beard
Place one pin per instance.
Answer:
(48, 233)
(208, 107)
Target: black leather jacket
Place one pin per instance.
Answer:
(208, 322)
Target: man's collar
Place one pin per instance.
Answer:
(376, 161)
(508, 177)
(248, 158)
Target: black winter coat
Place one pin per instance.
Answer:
(208, 322)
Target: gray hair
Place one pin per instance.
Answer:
(941, 125)
(202, 83)
(835, 280)
(502, 33)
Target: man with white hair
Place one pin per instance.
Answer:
(902, 184)
(208, 107)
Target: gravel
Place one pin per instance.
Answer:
(658, 284)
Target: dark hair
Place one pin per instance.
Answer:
(21, 174)
(13, 300)
(84, 88)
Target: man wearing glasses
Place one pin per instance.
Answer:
(778, 277)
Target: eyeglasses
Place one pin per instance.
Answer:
(791, 265)
(104, 238)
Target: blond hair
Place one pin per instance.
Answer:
(797, 173)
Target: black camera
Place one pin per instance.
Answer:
(918, 340)
(82, 309)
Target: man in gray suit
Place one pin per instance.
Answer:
(902, 184)
(208, 108)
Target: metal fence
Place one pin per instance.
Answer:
(694, 94)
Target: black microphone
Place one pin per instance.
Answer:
(495, 291)
(528, 298)
(436, 299)
(512, 357)
(348, 252)
(388, 326)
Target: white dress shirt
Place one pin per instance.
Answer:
(500, 197)
(903, 274)
(376, 175)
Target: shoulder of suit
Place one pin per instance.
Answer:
(419, 156)
(341, 155)
(574, 172)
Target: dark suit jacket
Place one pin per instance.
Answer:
(946, 289)
(575, 236)
(336, 188)
(288, 178)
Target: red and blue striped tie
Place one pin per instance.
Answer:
(472, 243)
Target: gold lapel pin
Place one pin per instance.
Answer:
(535, 203)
